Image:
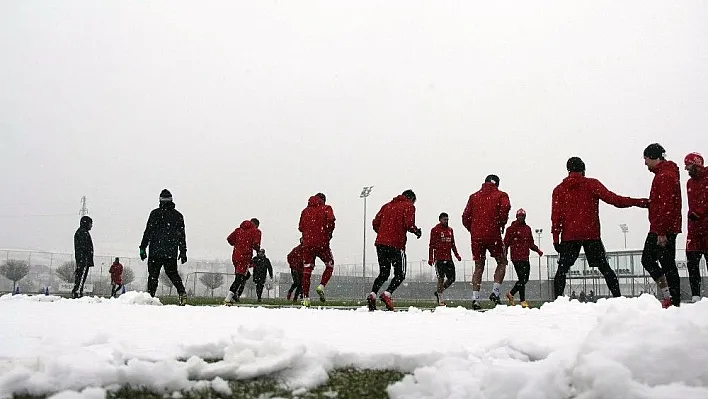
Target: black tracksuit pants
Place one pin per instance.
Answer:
(155, 265)
(694, 274)
(596, 257)
(523, 269)
(80, 275)
(296, 286)
(660, 261)
(389, 257)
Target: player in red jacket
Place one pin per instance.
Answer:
(245, 239)
(485, 217)
(575, 223)
(296, 267)
(697, 239)
(442, 245)
(519, 240)
(391, 224)
(664, 224)
(116, 272)
(316, 226)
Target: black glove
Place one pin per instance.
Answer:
(143, 254)
(183, 257)
(558, 247)
(418, 232)
(692, 216)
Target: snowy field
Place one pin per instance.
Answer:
(622, 348)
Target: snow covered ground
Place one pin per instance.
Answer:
(622, 348)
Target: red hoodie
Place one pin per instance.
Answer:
(116, 272)
(519, 240)
(486, 213)
(575, 213)
(697, 189)
(393, 221)
(245, 239)
(316, 223)
(295, 259)
(442, 243)
(665, 199)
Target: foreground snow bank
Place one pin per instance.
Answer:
(620, 348)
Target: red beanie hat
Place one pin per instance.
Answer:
(521, 211)
(693, 158)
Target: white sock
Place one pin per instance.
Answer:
(229, 297)
(667, 295)
(440, 295)
(475, 295)
(496, 289)
(386, 293)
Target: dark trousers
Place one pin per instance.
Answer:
(80, 275)
(239, 284)
(259, 287)
(694, 274)
(389, 257)
(297, 283)
(170, 265)
(660, 261)
(523, 269)
(596, 257)
(115, 288)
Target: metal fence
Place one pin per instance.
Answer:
(349, 280)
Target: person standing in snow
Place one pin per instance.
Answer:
(659, 253)
(296, 267)
(391, 224)
(317, 226)
(697, 237)
(165, 235)
(83, 254)
(245, 239)
(575, 223)
(441, 247)
(261, 266)
(519, 240)
(116, 272)
(485, 217)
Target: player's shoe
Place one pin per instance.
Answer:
(320, 292)
(524, 304)
(371, 301)
(476, 305)
(510, 298)
(386, 299)
(228, 303)
(666, 303)
(306, 302)
(182, 300)
(495, 298)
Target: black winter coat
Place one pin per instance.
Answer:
(83, 247)
(261, 265)
(165, 232)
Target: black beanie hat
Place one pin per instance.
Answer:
(322, 197)
(85, 221)
(492, 179)
(165, 195)
(409, 194)
(575, 164)
(655, 151)
(443, 215)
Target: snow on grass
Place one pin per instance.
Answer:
(628, 348)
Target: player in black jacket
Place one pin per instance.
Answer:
(83, 253)
(261, 265)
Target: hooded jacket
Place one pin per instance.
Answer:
(442, 243)
(393, 221)
(575, 214)
(245, 239)
(261, 266)
(316, 223)
(697, 192)
(295, 260)
(665, 199)
(486, 213)
(116, 272)
(165, 233)
(83, 244)
(519, 240)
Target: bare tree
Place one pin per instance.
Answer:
(166, 281)
(66, 271)
(212, 281)
(128, 276)
(15, 270)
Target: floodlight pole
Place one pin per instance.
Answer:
(365, 192)
(625, 230)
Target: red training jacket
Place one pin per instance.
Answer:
(316, 223)
(575, 213)
(519, 240)
(392, 222)
(665, 199)
(697, 189)
(295, 258)
(442, 243)
(486, 213)
(245, 239)
(116, 272)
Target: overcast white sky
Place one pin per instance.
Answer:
(246, 108)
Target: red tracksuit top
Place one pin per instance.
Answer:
(295, 259)
(116, 272)
(245, 239)
(665, 199)
(393, 221)
(486, 213)
(697, 192)
(316, 223)
(442, 243)
(575, 210)
(519, 240)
